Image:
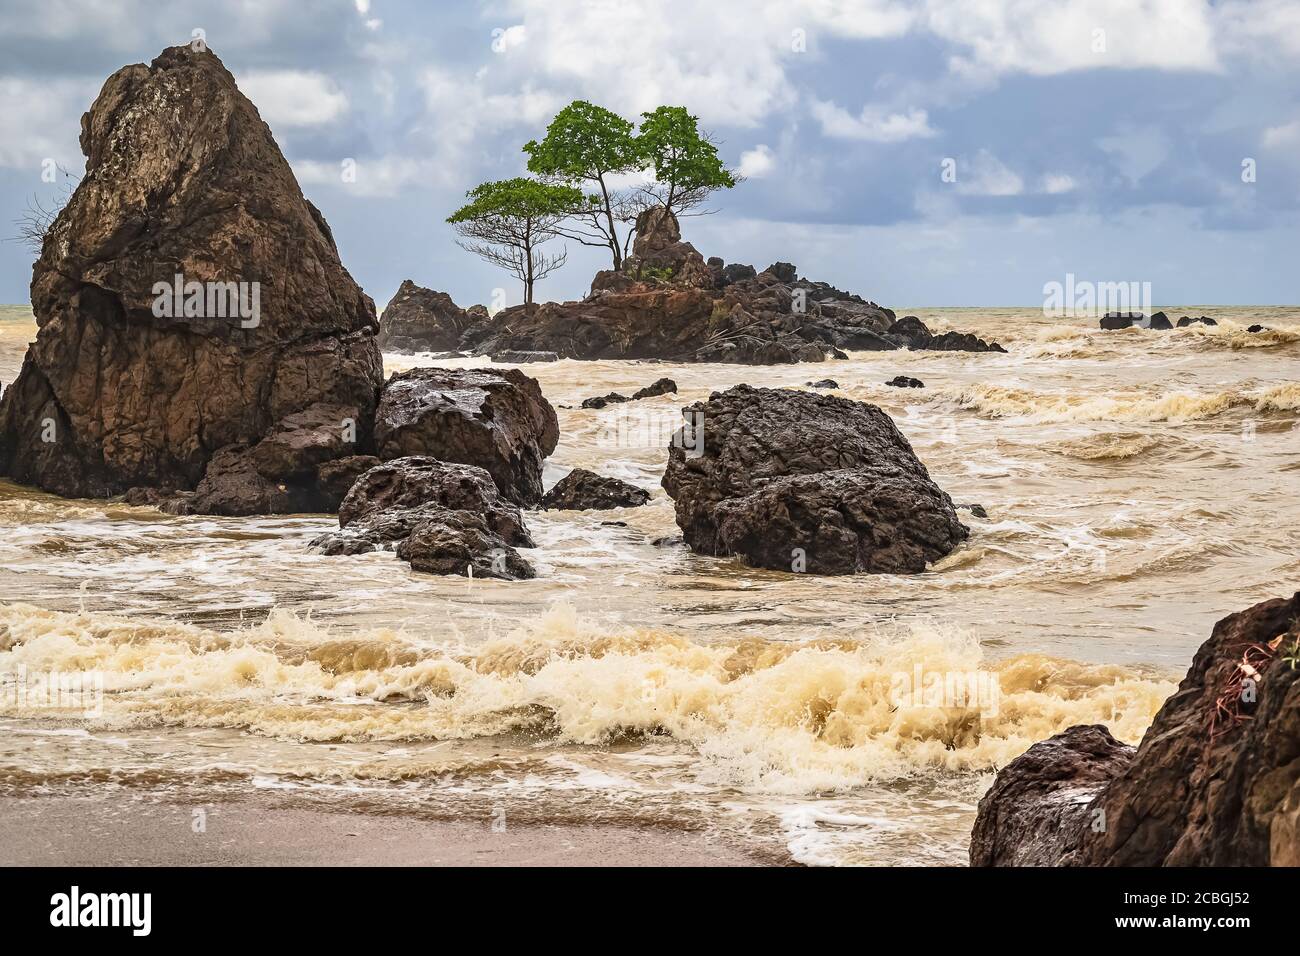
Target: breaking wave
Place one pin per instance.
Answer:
(1002, 401)
(791, 717)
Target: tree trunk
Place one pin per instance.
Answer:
(613, 235)
(528, 276)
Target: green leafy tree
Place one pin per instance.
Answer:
(505, 222)
(590, 145)
(684, 160)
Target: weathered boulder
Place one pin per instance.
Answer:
(1040, 801)
(600, 401)
(582, 490)
(795, 480)
(1159, 321)
(188, 296)
(823, 383)
(912, 333)
(496, 419)
(1121, 320)
(1185, 321)
(1214, 782)
(422, 320)
(785, 271)
(443, 518)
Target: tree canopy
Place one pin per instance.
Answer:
(685, 163)
(505, 222)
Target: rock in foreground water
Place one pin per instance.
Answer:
(423, 320)
(800, 481)
(1214, 782)
(443, 518)
(581, 490)
(496, 419)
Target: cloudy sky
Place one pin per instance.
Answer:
(1111, 139)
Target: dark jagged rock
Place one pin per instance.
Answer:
(904, 381)
(1257, 328)
(795, 480)
(1041, 800)
(977, 510)
(600, 401)
(823, 383)
(182, 179)
(1121, 320)
(422, 320)
(441, 517)
(1184, 322)
(1160, 321)
(910, 332)
(736, 272)
(785, 271)
(496, 419)
(662, 386)
(1214, 782)
(581, 490)
(334, 479)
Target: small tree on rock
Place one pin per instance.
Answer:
(505, 222)
(685, 162)
(588, 144)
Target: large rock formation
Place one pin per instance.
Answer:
(131, 382)
(442, 518)
(496, 419)
(422, 320)
(668, 302)
(799, 481)
(1214, 782)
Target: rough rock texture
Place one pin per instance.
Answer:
(1214, 782)
(581, 490)
(662, 386)
(1121, 320)
(441, 517)
(496, 419)
(1185, 321)
(823, 383)
(1160, 321)
(668, 302)
(182, 178)
(905, 381)
(1040, 801)
(910, 332)
(780, 470)
(422, 320)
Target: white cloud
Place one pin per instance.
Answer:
(1030, 36)
(379, 176)
(873, 124)
(1286, 135)
(38, 121)
(986, 175)
(757, 162)
(1056, 183)
(363, 6)
(504, 40)
(294, 97)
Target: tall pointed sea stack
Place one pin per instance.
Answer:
(188, 296)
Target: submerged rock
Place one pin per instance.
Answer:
(1185, 321)
(496, 419)
(422, 320)
(823, 383)
(600, 401)
(1214, 782)
(910, 332)
(443, 518)
(184, 185)
(1160, 321)
(903, 381)
(581, 490)
(1122, 320)
(793, 480)
(662, 386)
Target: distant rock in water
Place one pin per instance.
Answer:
(668, 302)
(663, 386)
(581, 490)
(442, 518)
(1257, 328)
(1121, 320)
(910, 332)
(976, 510)
(1214, 782)
(823, 383)
(904, 381)
(1160, 321)
(523, 357)
(1185, 321)
(797, 481)
(496, 419)
(422, 320)
(189, 298)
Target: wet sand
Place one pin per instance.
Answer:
(140, 830)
